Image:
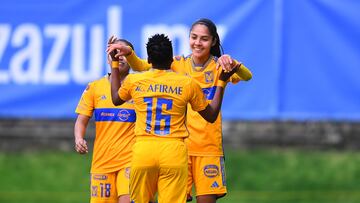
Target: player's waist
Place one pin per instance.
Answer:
(158, 138)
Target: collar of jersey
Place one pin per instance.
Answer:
(200, 68)
(160, 71)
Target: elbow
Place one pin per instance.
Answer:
(115, 98)
(244, 73)
(248, 77)
(211, 118)
(115, 101)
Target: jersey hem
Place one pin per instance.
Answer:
(201, 154)
(110, 171)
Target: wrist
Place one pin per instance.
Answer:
(114, 64)
(78, 137)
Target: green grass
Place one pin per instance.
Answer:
(255, 176)
(289, 176)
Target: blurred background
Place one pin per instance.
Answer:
(291, 134)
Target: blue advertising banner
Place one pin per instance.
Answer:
(304, 54)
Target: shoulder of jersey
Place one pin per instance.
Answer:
(185, 75)
(99, 81)
(179, 58)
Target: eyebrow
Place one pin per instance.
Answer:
(202, 36)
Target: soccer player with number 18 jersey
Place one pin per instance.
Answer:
(114, 138)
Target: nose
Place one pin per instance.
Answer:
(197, 41)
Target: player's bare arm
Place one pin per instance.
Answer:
(211, 112)
(121, 50)
(115, 80)
(79, 133)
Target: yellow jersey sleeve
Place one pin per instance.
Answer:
(137, 63)
(242, 74)
(86, 104)
(124, 91)
(197, 98)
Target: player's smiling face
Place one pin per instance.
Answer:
(200, 42)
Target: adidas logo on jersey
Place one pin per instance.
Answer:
(215, 185)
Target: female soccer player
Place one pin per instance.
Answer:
(114, 137)
(206, 157)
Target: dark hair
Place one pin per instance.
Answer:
(217, 49)
(159, 50)
(126, 42)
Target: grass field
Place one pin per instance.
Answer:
(256, 176)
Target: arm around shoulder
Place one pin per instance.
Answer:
(136, 63)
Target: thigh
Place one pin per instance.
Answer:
(103, 188)
(209, 175)
(122, 181)
(190, 180)
(173, 172)
(144, 172)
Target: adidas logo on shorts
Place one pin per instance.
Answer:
(215, 185)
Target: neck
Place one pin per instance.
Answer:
(200, 61)
(161, 67)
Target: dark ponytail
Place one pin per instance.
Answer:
(217, 49)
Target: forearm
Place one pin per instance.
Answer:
(115, 84)
(216, 102)
(137, 63)
(244, 73)
(80, 126)
(212, 110)
(79, 131)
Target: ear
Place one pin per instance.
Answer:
(214, 42)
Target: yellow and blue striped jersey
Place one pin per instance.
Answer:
(114, 127)
(160, 98)
(205, 138)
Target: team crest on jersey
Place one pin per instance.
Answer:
(103, 97)
(211, 171)
(123, 115)
(209, 76)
